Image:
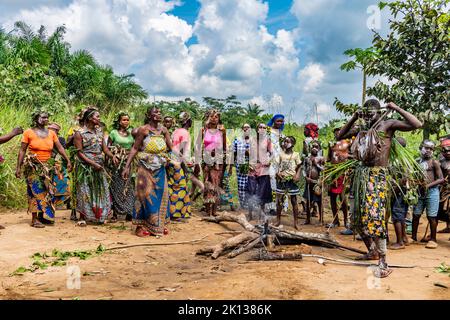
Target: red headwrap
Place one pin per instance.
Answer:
(312, 130)
(445, 143)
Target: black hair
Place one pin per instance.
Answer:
(428, 141)
(293, 140)
(372, 104)
(118, 117)
(88, 114)
(35, 116)
(149, 113)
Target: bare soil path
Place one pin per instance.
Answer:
(175, 272)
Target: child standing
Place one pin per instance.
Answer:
(314, 165)
(429, 196)
(289, 164)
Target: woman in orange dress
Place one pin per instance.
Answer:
(38, 169)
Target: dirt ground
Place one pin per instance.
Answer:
(175, 272)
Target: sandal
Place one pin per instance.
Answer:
(37, 224)
(382, 273)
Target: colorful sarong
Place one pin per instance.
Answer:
(61, 183)
(152, 199)
(40, 200)
(179, 201)
(93, 197)
(373, 203)
(151, 208)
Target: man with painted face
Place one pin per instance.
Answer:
(369, 214)
(444, 204)
(428, 196)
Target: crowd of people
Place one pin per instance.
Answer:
(141, 174)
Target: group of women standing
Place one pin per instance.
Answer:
(139, 174)
(124, 175)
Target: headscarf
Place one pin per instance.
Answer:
(445, 142)
(312, 130)
(275, 118)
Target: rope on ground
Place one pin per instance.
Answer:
(156, 244)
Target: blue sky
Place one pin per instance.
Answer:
(282, 54)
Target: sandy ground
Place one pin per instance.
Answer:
(175, 272)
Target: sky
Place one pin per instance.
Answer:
(282, 54)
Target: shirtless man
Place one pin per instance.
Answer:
(314, 165)
(5, 138)
(339, 152)
(428, 196)
(372, 224)
(444, 204)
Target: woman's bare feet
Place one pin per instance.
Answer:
(142, 232)
(37, 224)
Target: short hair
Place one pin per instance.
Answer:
(149, 112)
(294, 141)
(372, 104)
(427, 141)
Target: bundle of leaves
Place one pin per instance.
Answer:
(57, 259)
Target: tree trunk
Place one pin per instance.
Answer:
(426, 132)
(364, 89)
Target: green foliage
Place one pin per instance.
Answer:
(57, 259)
(416, 57)
(443, 268)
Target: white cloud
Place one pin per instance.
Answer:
(310, 77)
(309, 8)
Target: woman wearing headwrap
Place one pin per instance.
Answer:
(93, 196)
(120, 142)
(213, 144)
(151, 146)
(39, 141)
(275, 129)
(311, 132)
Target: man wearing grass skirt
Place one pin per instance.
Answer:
(369, 217)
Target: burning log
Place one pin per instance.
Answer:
(228, 244)
(257, 234)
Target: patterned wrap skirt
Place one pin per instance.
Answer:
(40, 194)
(62, 185)
(92, 205)
(151, 209)
(179, 200)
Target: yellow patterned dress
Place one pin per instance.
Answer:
(151, 208)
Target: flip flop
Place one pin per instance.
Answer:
(382, 273)
(396, 247)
